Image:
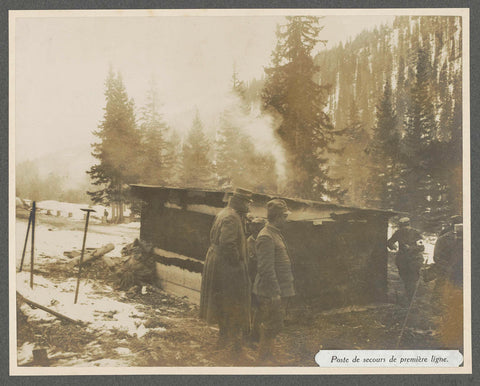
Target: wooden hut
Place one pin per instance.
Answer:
(339, 253)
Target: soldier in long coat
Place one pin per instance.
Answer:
(225, 292)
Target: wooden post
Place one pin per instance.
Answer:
(26, 240)
(83, 251)
(32, 256)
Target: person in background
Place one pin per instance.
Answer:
(409, 259)
(448, 291)
(448, 257)
(274, 282)
(255, 226)
(225, 290)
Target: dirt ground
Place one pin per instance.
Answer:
(165, 330)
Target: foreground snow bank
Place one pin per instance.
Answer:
(94, 305)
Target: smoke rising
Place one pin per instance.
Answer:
(259, 127)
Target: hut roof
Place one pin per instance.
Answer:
(306, 210)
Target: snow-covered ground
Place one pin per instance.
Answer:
(52, 240)
(99, 305)
(94, 305)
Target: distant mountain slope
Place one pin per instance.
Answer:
(359, 69)
(70, 164)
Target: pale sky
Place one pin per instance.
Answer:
(61, 65)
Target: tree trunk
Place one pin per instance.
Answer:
(120, 213)
(114, 212)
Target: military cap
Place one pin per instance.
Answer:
(243, 194)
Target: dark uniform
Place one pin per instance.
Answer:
(226, 290)
(274, 278)
(448, 291)
(409, 259)
(274, 283)
(448, 258)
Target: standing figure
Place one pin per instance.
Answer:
(448, 291)
(274, 281)
(255, 226)
(409, 259)
(226, 290)
(448, 258)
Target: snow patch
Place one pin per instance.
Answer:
(25, 353)
(51, 242)
(123, 350)
(101, 313)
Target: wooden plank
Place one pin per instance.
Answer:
(54, 313)
(180, 282)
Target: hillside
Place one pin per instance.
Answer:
(58, 175)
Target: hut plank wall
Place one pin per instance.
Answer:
(337, 262)
(177, 230)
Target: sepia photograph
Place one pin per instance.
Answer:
(259, 191)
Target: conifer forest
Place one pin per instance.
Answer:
(374, 122)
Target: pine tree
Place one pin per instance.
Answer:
(230, 163)
(455, 178)
(173, 162)
(420, 131)
(198, 168)
(385, 151)
(355, 163)
(153, 130)
(290, 91)
(117, 150)
(239, 89)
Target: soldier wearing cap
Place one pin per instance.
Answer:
(226, 291)
(274, 280)
(409, 259)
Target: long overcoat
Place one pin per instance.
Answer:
(226, 290)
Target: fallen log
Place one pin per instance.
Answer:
(75, 253)
(54, 313)
(71, 254)
(95, 254)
